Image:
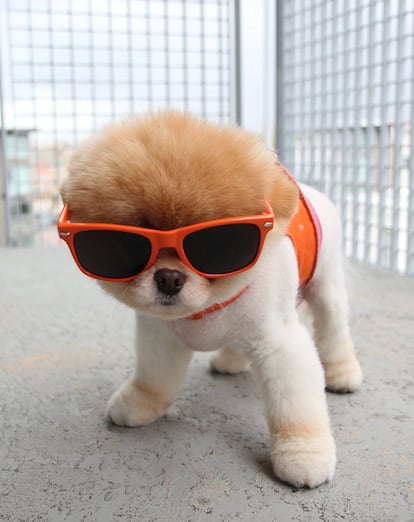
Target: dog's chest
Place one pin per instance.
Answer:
(205, 334)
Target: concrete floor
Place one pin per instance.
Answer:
(65, 347)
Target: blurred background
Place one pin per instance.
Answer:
(329, 84)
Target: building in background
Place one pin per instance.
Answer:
(18, 177)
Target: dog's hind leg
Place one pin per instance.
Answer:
(327, 298)
(228, 360)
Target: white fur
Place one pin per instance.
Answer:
(262, 327)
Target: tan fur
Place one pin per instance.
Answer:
(170, 169)
(143, 403)
(229, 360)
(343, 375)
(296, 431)
(152, 395)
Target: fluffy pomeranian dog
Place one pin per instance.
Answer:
(202, 231)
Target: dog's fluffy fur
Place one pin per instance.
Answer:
(169, 170)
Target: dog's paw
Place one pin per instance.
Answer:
(228, 360)
(343, 376)
(304, 462)
(135, 405)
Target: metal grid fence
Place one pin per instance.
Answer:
(346, 117)
(345, 91)
(69, 67)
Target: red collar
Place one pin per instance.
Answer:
(217, 306)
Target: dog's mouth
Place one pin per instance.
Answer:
(167, 300)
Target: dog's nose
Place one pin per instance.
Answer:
(168, 281)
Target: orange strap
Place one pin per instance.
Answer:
(217, 306)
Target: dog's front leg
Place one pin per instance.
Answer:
(291, 379)
(161, 367)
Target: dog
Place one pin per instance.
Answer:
(202, 231)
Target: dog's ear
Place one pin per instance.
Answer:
(283, 197)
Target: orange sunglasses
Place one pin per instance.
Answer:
(211, 249)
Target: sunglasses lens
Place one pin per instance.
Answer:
(222, 249)
(112, 254)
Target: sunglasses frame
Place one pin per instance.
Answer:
(163, 239)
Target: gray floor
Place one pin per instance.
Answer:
(65, 347)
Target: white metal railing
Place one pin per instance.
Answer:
(344, 99)
(348, 117)
(67, 68)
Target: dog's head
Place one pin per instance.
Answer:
(168, 171)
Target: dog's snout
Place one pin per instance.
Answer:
(168, 281)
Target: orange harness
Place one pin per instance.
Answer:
(305, 232)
